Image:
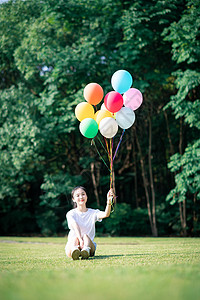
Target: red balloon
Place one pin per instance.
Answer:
(113, 101)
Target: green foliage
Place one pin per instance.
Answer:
(19, 144)
(55, 186)
(16, 16)
(184, 36)
(55, 198)
(187, 178)
(184, 103)
(125, 221)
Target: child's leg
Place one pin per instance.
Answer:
(89, 243)
(70, 246)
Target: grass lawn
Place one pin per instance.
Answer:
(123, 268)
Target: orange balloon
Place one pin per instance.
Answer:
(84, 110)
(101, 114)
(93, 93)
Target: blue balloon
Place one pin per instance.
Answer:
(121, 81)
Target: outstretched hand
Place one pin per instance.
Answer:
(110, 196)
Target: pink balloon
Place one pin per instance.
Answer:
(113, 101)
(133, 98)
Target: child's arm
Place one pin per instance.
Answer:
(106, 213)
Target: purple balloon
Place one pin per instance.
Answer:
(133, 98)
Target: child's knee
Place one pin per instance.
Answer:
(75, 241)
(86, 239)
(85, 236)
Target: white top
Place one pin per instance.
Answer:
(85, 220)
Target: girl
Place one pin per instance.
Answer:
(81, 222)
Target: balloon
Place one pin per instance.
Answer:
(84, 110)
(121, 81)
(108, 127)
(113, 101)
(103, 107)
(101, 114)
(125, 117)
(89, 128)
(133, 98)
(93, 93)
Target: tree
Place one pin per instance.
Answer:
(186, 106)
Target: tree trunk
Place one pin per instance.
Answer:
(168, 134)
(135, 178)
(94, 183)
(145, 185)
(195, 219)
(181, 214)
(182, 207)
(155, 231)
(135, 171)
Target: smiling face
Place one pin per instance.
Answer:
(80, 197)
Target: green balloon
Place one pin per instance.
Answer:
(89, 128)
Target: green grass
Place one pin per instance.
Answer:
(123, 268)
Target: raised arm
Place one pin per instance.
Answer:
(106, 213)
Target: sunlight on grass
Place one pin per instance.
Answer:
(123, 268)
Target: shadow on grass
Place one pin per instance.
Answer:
(122, 255)
(110, 256)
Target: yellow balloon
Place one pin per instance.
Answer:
(101, 114)
(84, 110)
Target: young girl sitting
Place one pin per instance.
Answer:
(81, 222)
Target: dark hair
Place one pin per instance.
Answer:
(73, 191)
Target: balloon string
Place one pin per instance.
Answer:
(111, 174)
(107, 148)
(111, 164)
(119, 143)
(100, 154)
(102, 144)
(110, 157)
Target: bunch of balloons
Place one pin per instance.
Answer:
(116, 111)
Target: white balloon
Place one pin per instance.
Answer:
(125, 117)
(103, 107)
(108, 127)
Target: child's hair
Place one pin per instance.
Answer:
(73, 191)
